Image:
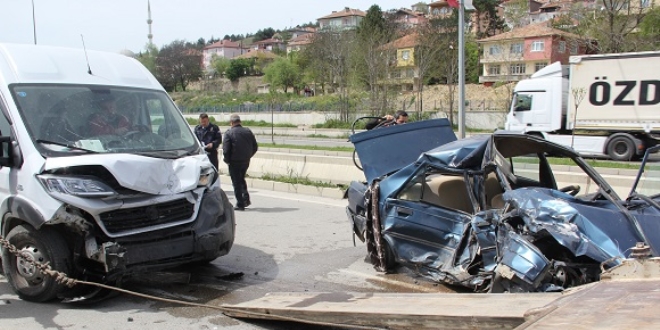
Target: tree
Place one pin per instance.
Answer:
(220, 64)
(486, 10)
(608, 26)
(177, 65)
(148, 58)
(371, 59)
(238, 68)
(649, 29)
(264, 34)
(283, 73)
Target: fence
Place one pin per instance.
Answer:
(296, 106)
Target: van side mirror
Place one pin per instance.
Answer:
(5, 151)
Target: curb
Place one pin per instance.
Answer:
(334, 193)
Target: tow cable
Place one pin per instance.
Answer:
(63, 279)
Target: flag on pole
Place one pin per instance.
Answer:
(467, 4)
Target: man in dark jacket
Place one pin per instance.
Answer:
(400, 117)
(239, 146)
(210, 137)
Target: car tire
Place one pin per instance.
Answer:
(46, 246)
(621, 148)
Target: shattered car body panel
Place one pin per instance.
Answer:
(465, 214)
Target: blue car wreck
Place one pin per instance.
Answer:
(486, 212)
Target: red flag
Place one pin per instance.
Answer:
(452, 3)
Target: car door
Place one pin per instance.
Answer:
(425, 222)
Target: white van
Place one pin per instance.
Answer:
(99, 193)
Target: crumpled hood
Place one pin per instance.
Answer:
(145, 174)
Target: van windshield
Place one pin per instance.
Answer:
(65, 120)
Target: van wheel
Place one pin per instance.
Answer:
(45, 246)
(621, 148)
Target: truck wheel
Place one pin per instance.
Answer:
(45, 246)
(621, 148)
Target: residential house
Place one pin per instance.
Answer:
(516, 55)
(407, 18)
(270, 44)
(260, 58)
(299, 43)
(404, 72)
(345, 19)
(299, 31)
(224, 48)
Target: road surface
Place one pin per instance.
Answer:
(284, 242)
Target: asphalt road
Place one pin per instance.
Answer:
(284, 243)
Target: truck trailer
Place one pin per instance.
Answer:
(604, 105)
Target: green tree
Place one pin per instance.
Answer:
(649, 29)
(220, 64)
(148, 58)
(283, 73)
(238, 68)
(488, 10)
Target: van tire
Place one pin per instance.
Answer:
(46, 246)
(621, 148)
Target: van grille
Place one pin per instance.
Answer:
(147, 216)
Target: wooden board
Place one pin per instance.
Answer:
(604, 305)
(396, 310)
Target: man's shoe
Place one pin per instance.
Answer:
(247, 203)
(239, 208)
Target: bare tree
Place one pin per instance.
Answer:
(178, 65)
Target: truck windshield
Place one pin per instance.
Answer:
(64, 120)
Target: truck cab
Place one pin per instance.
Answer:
(539, 103)
(102, 177)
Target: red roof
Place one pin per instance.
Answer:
(223, 44)
(346, 12)
(529, 31)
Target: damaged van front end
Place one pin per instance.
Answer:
(100, 193)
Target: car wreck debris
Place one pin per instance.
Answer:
(486, 212)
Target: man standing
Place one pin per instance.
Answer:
(239, 146)
(209, 135)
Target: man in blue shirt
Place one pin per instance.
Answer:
(210, 137)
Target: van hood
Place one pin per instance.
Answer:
(150, 175)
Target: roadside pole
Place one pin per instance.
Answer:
(461, 70)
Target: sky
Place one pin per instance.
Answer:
(116, 25)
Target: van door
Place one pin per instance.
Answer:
(5, 130)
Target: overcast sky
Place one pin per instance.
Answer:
(114, 25)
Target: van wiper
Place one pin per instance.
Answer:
(68, 145)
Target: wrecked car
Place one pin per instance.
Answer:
(99, 205)
(492, 212)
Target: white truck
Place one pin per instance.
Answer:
(94, 200)
(601, 105)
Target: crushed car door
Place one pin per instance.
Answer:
(425, 222)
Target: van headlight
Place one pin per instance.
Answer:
(82, 187)
(206, 177)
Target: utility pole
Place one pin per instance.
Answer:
(34, 25)
(461, 70)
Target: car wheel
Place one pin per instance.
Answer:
(45, 246)
(621, 148)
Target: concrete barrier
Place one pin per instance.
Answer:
(338, 168)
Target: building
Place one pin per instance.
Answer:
(478, 23)
(298, 43)
(345, 19)
(404, 71)
(269, 45)
(407, 18)
(224, 48)
(516, 55)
